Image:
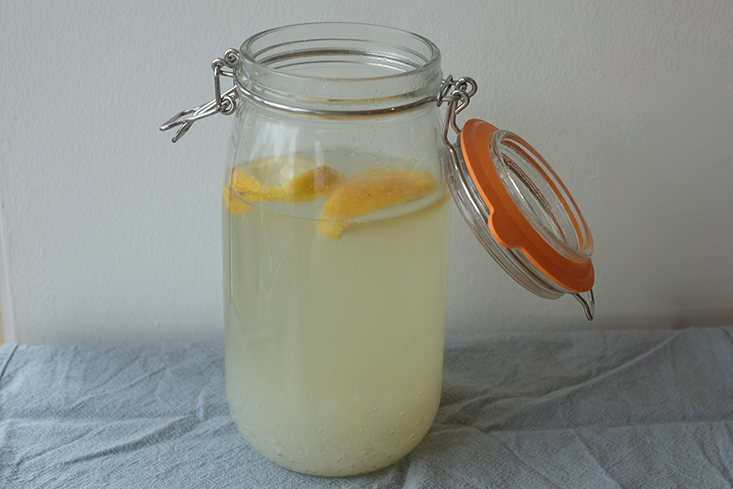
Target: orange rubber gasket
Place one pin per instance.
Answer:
(508, 224)
(517, 146)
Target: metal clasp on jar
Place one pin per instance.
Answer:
(456, 93)
(223, 103)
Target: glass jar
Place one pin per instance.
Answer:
(336, 223)
(334, 328)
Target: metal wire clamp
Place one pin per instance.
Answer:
(457, 94)
(589, 306)
(223, 103)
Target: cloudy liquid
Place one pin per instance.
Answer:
(334, 350)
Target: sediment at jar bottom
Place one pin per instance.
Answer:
(334, 349)
(338, 440)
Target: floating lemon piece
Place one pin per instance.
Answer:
(251, 189)
(232, 203)
(311, 185)
(368, 192)
(292, 178)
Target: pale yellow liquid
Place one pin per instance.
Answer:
(334, 350)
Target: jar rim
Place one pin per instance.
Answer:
(339, 69)
(251, 57)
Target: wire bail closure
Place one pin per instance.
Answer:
(589, 306)
(457, 94)
(223, 103)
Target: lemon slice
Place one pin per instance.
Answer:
(232, 203)
(292, 178)
(368, 192)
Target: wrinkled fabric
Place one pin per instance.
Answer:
(566, 410)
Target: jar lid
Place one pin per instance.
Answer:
(522, 213)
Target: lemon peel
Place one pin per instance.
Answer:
(368, 192)
(295, 178)
(232, 203)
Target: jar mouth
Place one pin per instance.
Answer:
(338, 66)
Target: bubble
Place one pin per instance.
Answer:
(402, 415)
(279, 453)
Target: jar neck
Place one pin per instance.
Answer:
(339, 69)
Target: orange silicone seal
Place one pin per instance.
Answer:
(509, 226)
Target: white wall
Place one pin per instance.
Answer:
(110, 233)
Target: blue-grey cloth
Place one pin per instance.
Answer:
(566, 410)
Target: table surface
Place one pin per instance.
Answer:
(609, 409)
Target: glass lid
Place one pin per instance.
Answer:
(522, 213)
